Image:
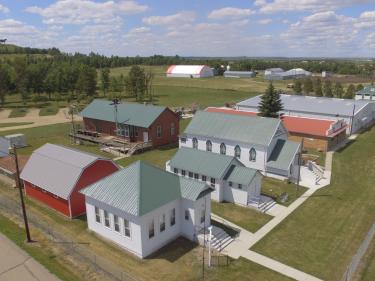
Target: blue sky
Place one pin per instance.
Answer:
(333, 28)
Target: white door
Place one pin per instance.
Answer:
(145, 136)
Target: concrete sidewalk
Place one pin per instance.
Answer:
(16, 265)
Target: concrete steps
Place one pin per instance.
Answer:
(265, 206)
(220, 239)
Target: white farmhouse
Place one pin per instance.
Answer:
(142, 208)
(190, 71)
(230, 179)
(257, 142)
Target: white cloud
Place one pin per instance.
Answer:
(306, 5)
(99, 29)
(3, 9)
(230, 12)
(265, 21)
(175, 19)
(15, 27)
(366, 20)
(85, 11)
(323, 32)
(370, 41)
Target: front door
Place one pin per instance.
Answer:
(145, 136)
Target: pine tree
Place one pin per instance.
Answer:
(307, 86)
(104, 79)
(350, 92)
(270, 103)
(338, 91)
(318, 88)
(327, 89)
(298, 87)
(359, 87)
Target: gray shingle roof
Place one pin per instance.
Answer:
(197, 161)
(140, 188)
(247, 129)
(133, 113)
(321, 105)
(283, 154)
(56, 168)
(242, 175)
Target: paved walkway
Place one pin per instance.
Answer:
(16, 265)
(33, 116)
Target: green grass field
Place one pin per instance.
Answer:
(12, 124)
(275, 188)
(322, 235)
(49, 110)
(246, 218)
(369, 270)
(18, 112)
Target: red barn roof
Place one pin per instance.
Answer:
(295, 124)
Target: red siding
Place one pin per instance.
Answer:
(59, 204)
(165, 119)
(96, 171)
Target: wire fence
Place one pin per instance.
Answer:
(353, 266)
(220, 260)
(73, 248)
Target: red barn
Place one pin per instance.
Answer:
(136, 122)
(55, 174)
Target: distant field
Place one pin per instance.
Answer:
(4, 125)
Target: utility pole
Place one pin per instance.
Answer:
(204, 236)
(299, 167)
(115, 103)
(72, 107)
(18, 184)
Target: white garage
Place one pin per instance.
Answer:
(190, 71)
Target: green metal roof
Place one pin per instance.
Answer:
(248, 129)
(241, 175)
(367, 91)
(283, 154)
(206, 163)
(134, 114)
(140, 188)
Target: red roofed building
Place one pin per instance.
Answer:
(319, 134)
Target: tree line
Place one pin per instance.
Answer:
(326, 88)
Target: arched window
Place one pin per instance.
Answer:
(237, 151)
(223, 149)
(253, 155)
(195, 143)
(209, 145)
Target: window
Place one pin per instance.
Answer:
(237, 152)
(158, 131)
(209, 145)
(203, 216)
(136, 131)
(240, 186)
(195, 143)
(187, 216)
(126, 131)
(173, 216)
(175, 170)
(106, 219)
(173, 129)
(204, 178)
(196, 176)
(116, 223)
(190, 175)
(97, 215)
(162, 223)
(223, 149)
(183, 172)
(230, 184)
(126, 228)
(212, 182)
(151, 229)
(253, 155)
(183, 140)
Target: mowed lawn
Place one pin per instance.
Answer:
(322, 235)
(246, 218)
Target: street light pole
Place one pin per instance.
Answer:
(18, 183)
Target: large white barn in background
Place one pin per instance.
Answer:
(190, 71)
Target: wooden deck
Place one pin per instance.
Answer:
(114, 143)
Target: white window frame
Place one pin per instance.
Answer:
(252, 157)
(195, 143)
(162, 226)
(106, 218)
(116, 222)
(223, 149)
(126, 227)
(237, 151)
(97, 214)
(151, 226)
(208, 146)
(172, 221)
